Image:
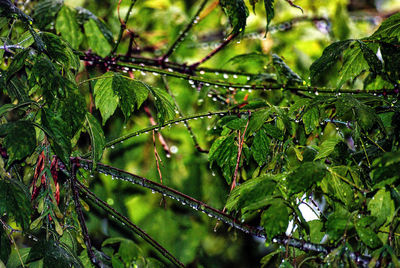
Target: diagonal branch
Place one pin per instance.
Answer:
(125, 221)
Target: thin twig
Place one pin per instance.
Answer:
(183, 34)
(123, 24)
(215, 51)
(84, 190)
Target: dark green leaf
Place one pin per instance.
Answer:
(96, 40)
(68, 27)
(252, 194)
(391, 57)
(237, 123)
(260, 147)
(224, 151)
(329, 57)
(305, 176)
(270, 11)
(275, 219)
(370, 56)
(16, 89)
(131, 93)
(14, 261)
(15, 202)
(164, 104)
(20, 140)
(237, 13)
(311, 119)
(338, 222)
(366, 233)
(257, 120)
(53, 254)
(97, 138)
(390, 28)
(5, 245)
(353, 64)
(17, 63)
(45, 12)
(273, 131)
(60, 51)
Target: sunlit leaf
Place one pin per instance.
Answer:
(68, 27)
(96, 40)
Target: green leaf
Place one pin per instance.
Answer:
(329, 57)
(391, 57)
(60, 51)
(97, 138)
(14, 261)
(45, 12)
(17, 63)
(338, 222)
(252, 194)
(237, 13)
(84, 15)
(366, 233)
(20, 140)
(68, 27)
(381, 206)
(275, 219)
(327, 147)
(354, 63)
(163, 102)
(5, 245)
(305, 176)
(390, 28)
(370, 56)
(105, 98)
(285, 74)
(224, 151)
(53, 254)
(260, 147)
(131, 93)
(311, 119)
(257, 120)
(15, 202)
(96, 40)
(270, 11)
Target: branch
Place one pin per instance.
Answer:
(183, 34)
(125, 221)
(81, 218)
(212, 212)
(123, 24)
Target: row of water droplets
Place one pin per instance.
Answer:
(154, 187)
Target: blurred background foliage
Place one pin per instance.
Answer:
(190, 235)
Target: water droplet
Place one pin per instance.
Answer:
(235, 76)
(226, 76)
(112, 146)
(202, 72)
(191, 82)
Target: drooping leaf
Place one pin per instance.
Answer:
(338, 222)
(5, 245)
(105, 98)
(369, 54)
(285, 74)
(164, 104)
(84, 15)
(96, 40)
(327, 147)
(391, 57)
(333, 186)
(270, 11)
(311, 119)
(53, 254)
(353, 64)
(260, 147)
(60, 51)
(257, 120)
(68, 27)
(381, 206)
(17, 63)
(97, 138)
(224, 152)
(131, 93)
(15, 202)
(45, 12)
(329, 57)
(16, 89)
(237, 13)
(390, 28)
(302, 178)
(20, 139)
(275, 219)
(253, 194)
(364, 228)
